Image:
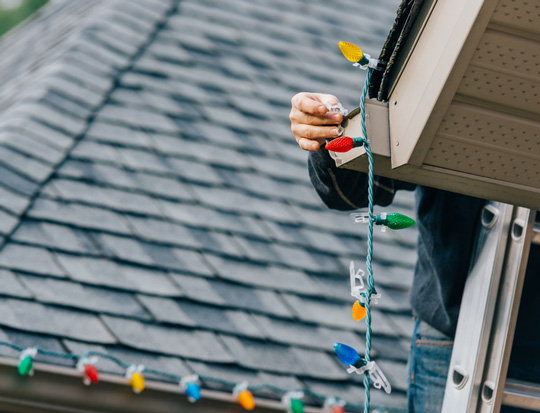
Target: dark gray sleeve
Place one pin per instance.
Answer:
(345, 189)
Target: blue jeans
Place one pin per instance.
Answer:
(429, 363)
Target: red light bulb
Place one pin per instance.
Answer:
(338, 409)
(90, 374)
(343, 144)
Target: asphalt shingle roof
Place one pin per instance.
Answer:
(154, 205)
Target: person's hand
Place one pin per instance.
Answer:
(311, 123)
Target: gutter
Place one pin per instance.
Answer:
(58, 389)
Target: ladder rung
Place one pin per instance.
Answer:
(536, 234)
(522, 394)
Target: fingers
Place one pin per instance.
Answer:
(299, 117)
(312, 103)
(311, 145)
(311, 123)
(307, 135)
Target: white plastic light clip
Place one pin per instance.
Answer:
(363, 218)
(373, 63)
(292, 395)
(139, 368)
(357, 281)
(184, 381)
(375, 374)
(336, 108)
(334, 401)
(239, 388)
(357, 286)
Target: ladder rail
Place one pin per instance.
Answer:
(477, 310)
(477, 376)
(506, 311)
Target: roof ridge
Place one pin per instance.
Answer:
(51, 115)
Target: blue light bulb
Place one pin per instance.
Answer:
(193, 392)
(346, 354)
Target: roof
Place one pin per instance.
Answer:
(155, 207)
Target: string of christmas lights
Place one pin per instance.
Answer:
(189, 385)
(365, 296)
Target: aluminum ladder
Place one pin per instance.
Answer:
(478, 368)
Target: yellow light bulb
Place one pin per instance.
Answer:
(137, 382)
(358, 311)
(245, 399)
(351, 51)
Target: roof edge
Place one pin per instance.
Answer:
(60, 389)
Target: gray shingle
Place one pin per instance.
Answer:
(290, 256)
(261, 275)
(38, 318)
(54, 236)
(163, 232)
(51, 136)
(230, 295)
(119, 134)
(390, 348)
(238, 202)
(202, 316)
(13, 202)
(166, 310)
(403, 324)
(95, 151)
(199, 345)
(79, 215)
(154, 255)
(143, 161)
(68, 87)
(7, 222)
(107, 273)
(95, 172)
(11, 285)
(57, 119)
(320, 365)
(208, 218)
(71, 294)
(35, 147)
(31, 259)
(162, 186)
(202, 151)
(101, 54)
(16, 182)
(218, 243)
(137, 118)
(254, 354)
(108, 197)
(396, 373)
(195, 171)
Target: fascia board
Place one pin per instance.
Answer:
(432, 75)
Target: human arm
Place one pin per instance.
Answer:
(339, 188)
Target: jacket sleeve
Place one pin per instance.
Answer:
(345, 189)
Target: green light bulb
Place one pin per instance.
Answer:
(395, 221)
(297, 406)
(25, 366)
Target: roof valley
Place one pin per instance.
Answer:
(23, 109)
